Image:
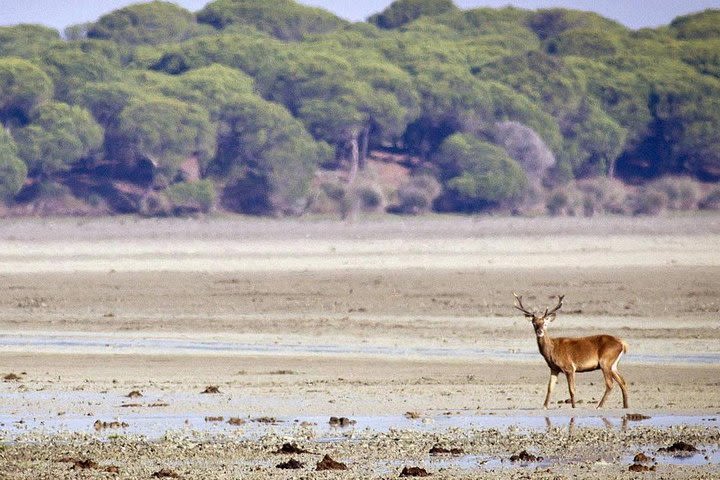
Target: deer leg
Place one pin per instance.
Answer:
(623, 387)
(571, 386)
(607, 374)
(551, 385)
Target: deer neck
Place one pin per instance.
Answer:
(545, 345)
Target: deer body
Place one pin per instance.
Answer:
(577, 355)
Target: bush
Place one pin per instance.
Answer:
(362, 198)
(603, 195)
(647, 201)
(563, 201)
(192, 197)
(416, 196)
(682, 192)
(711, 200)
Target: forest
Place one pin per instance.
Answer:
(269, 107)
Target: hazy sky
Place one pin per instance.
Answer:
(633, 13)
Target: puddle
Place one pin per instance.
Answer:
(704, 456)
(118, 345)
(155, 426)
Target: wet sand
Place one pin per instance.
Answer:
(307, 320)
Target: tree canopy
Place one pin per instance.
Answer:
(275, 104)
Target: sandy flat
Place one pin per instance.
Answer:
(373, 319)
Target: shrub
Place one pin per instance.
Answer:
(682, 192)
(192, 197)
(603, 195)
(647, 201)
(416, 196)
(711, 200)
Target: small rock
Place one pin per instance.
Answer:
(290, 449)
(678, 447)
(211, 389)
(341, 421)
(524, 456)
(438, 450)
(236, 421)
(100, 425)
(165, 473)
(214, 419)
(414, 472)
(291, 464)
(636, 417)
(328, 463)
(636, 467)
(134, 394)
(642, 458)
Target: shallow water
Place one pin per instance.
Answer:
(155, 426)
(118, 345)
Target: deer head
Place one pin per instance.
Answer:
(538, 320)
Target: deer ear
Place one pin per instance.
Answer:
(529, 317)
(550, 317)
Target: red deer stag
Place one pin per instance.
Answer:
(576, 355)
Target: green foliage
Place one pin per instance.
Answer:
(402, 12)
(703, 55)
(261, 143)
(213, 87)
(70, 68)
(106, 100)
(57, 137)
(187, 197)
(284, 19)
(594, 141)
(704, 25)
(585, 42)
(151, 23)
(12, 170)
(477, 174)
(166, 132)
(23, 86)
(567, 95)
(26, 41)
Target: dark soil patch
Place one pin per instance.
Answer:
(678, 447)
(642, 458)
(165, 473)
(636, 417)
(291, 464)
(637, 467)
(524, 456)
(438, 450)
(328, 463)
(11, 377)
(100, 425)
(214, 419)
(290, 449)
(268, 420)
(341, 422)
(414, 472)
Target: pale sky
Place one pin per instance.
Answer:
(633, 13)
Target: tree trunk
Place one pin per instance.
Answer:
(355, 159)
(365, 145)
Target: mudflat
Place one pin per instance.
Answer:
(405, 327)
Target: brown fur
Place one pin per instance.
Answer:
(577, 355)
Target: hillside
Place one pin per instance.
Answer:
(268, 107)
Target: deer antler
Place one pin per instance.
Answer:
(557, 307)
(520, 307)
